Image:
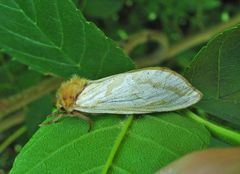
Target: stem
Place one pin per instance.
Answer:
(187, 43)
(12, 138)
(12, 121)
(225, 134)
(145, 36)
(117, 144)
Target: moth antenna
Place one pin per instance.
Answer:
(51, 121)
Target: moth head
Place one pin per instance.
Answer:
(68, 92)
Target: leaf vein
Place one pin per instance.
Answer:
(154, 143)
(92, 169)
(26, 38)
(103, 58)
(10, 8)
(121, 168)
(174, 125)
(117, 143)
(218, 72)
(39, 29)
(61, 25)
(41, 58)
(70, 143)
(84, 44)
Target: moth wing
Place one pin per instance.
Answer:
(139, 91)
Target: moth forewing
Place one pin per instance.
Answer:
(139, 91)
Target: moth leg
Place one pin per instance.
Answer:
(52, 114)
(51, 121)
(85, 118)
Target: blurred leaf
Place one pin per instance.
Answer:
(16, 77)
(218, 143)
(103, 8)
(27, 79)
(7, 70)
(186, 5)
(76, 2)
(184, 59)
(53, 37)
(149, 143)
(37, 112)
(215, 72)
(176, 18)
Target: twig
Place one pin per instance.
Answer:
(187, 43)
(12, 138)
(142, 37)
(20, 100)
(13, 120)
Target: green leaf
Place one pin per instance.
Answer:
(103, 8)
(15, 77)
(215, 72)
(53, 37)
(36, 115)
(118, 144)
(8, 69)
(216, 143)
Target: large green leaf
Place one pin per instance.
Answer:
(215, 71)
(141, 145)
(53, 37)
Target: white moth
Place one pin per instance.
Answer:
(135, 92)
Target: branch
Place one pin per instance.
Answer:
(187, 43)
(143, 37)
(12, 138)
(13, 120)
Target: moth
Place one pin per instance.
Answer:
(139, 91)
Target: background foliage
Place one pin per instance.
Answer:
(40, 39)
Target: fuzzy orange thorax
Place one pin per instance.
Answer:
(68, 93)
